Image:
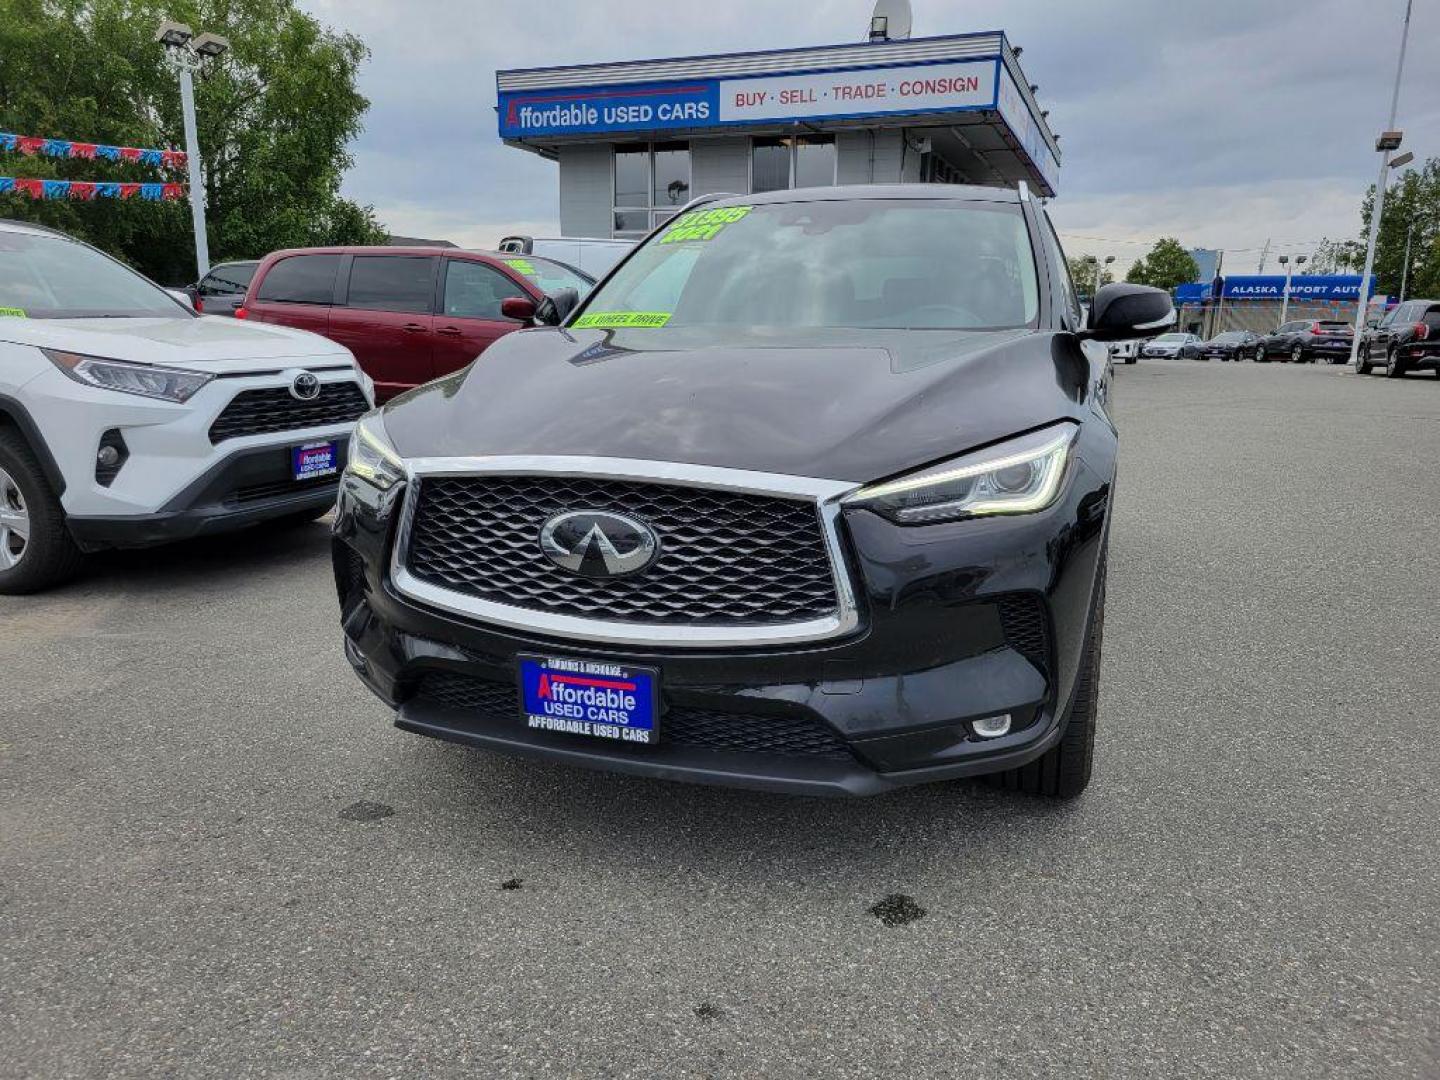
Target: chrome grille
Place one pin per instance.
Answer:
(727, 557)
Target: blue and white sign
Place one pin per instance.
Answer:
(699, 103)
(594, 110)
(1334, 287)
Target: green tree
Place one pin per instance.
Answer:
(1337, 257)
(1164, 266)
(1082, 272)
(1412, 206)
(275, 114)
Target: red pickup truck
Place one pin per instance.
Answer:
(409, 314)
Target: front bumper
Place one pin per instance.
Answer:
(958, 622)
(244, 489)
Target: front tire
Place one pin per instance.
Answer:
(1260, 355)
(36, 550)
(1393, 370)
(1297, 355)
(1063, 771)
(1362, 360)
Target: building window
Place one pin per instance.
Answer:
(780, 163)
(652, 182)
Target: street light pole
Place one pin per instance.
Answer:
(192, 159)
(1405, 271)
(1285, 296)
(1389, 142)
(1098, 266)
(186, 53)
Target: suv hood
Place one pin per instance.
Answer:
(209, 344)
(853, 405)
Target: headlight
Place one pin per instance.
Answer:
(1020, 476)
(147, 380)
(372, 458)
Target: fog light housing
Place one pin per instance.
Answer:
(992, 727)
(110, 457)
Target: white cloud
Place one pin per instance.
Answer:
(1220, 123)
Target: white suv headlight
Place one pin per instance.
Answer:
(126, 377)
(372, 458)
(1019, 476)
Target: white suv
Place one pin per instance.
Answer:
(128, 420)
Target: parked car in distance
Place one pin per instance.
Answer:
(1305, 340)
(825, 532)
(222, 290)
(408, 314)
(1168, 344)
(1126, 351)
(1406, 339)
(126, 419)
(1231, 345)
(593, 257)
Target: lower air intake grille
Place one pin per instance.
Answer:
(726, 558)
(1027, 630)
(679, 725)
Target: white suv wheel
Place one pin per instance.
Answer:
(14, 522)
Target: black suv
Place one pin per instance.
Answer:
(1407, 339)
(812, 494)
(1231, 345)
(1306, 340)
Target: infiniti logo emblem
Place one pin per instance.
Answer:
(598, 544)
(306, 387)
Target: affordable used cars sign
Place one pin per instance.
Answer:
(700, 103)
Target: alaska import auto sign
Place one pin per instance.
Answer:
(700, 103)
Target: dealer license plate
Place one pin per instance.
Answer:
(590, 698)
(314, 459)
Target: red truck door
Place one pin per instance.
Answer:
(386, 319)
(296, 291)
(469, 319)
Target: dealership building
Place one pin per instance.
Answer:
(1257, 302)
(635, 141)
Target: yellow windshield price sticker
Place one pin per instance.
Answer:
(703, 224)
(12, 312)
(524, 266)
(621, 320)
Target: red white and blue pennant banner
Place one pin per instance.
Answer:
(66, 148)
(86, 189)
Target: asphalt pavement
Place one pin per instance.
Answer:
(218, 859)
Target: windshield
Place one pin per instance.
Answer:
(893, 264)
(1230, 335)
(1173, 337)
(550, 275)
(53, 277)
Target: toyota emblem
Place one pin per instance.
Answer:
(306, 387)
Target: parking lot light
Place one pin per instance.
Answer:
(1388, 142)
(187, 53)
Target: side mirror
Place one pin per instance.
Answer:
(519, 308)
(556, 307)
(1123, 310)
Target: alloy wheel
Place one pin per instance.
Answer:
(1297, 355)
(14, 522)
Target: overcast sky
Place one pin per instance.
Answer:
(1223, 123)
